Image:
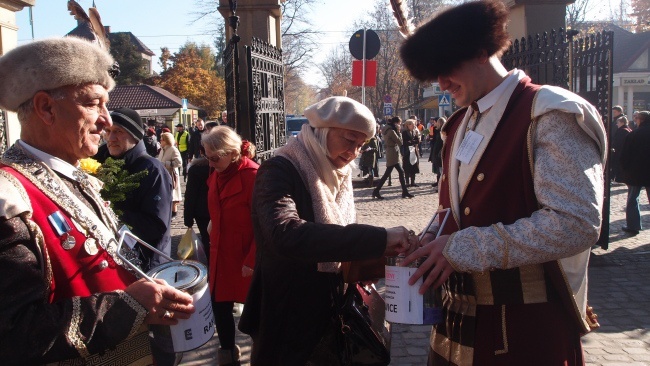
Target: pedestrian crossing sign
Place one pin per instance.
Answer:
(443, 100)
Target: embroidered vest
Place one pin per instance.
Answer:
(74, 272)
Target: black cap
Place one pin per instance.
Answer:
(129, 120)
(179, 125)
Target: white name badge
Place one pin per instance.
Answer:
(468, 147)
(404, 304)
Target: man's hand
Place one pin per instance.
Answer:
(436, 267)
(164, 303)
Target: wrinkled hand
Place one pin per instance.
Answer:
(246, 271)
(164, 304)
(399, 240)
(436, 267)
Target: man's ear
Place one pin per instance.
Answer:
(483, 57)
(44, 107)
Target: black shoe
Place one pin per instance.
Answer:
(375, 194)
(407, 195)
(414, 185)
(173, 214)
(630, 231)
(434, 184)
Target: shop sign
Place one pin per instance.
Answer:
(634, 81)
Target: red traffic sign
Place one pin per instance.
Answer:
(371, 73)
(387, 98)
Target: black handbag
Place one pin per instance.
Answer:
(364, 336)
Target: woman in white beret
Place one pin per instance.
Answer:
(304, 224)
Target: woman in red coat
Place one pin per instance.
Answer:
(232, 246)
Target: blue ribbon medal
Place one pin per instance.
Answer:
(62, 229)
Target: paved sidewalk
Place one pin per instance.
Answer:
(619, 280)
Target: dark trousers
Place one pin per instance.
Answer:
(632, 211)
(389, 169)
(224, 321)
(184, 156)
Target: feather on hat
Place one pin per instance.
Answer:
(49, 64)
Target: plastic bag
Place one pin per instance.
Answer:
(413, 158)
(191, 248)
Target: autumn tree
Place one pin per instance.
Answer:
(641, 12)
(188, 74)
(133, 68)
(337, 71)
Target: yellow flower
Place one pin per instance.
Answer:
(89, 165)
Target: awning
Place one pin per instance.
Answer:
(426, 103)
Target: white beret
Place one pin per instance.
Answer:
(341, 112)
(49, 64)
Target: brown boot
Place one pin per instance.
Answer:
(229, 357)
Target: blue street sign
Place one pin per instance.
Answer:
(443, 100)
(184, 102)
(388, 111)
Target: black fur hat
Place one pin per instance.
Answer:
(456, 35)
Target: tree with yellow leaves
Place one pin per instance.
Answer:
(189, 73)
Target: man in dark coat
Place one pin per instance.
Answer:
(146, 209)
(194, 150)
(620, 133)
(635, 170)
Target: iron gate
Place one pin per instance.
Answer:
(582, 65)
(266, 97)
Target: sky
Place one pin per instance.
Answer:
(171, 23)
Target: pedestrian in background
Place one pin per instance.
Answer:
(195, 207)
(392, 143)
(182, 139)
(369, 160)
(635, 170)
(304, 220)
(151, 143)
(232, 245)
(171, 159)
(410, 152)
(621, 132)
(523, 179)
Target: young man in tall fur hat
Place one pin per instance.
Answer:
(65, 296)
(523, 178)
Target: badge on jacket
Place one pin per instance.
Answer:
(62, 229)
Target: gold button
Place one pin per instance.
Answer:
(440, 207)
(443, 177)
(480, 177)
(467, 211)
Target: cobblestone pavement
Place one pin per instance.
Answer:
(619, 280)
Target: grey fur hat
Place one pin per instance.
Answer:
(49, 64)
(341, 112)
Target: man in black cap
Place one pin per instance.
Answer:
(148, 208)
(523, 180)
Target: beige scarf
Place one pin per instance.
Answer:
(331, 204)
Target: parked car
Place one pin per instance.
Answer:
(294, 125)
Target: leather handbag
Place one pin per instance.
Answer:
(364, 337)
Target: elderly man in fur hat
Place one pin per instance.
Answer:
(64, 293)
(523, 178)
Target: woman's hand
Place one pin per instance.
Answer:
(399, 240)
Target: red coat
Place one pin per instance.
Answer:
(232, 244)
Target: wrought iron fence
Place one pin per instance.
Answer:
(582, 65)
(266, 97)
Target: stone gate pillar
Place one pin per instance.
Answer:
(259, 19)
(530, 17)
(9, 126)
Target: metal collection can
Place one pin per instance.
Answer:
(404, 304)
(190, 277)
